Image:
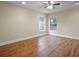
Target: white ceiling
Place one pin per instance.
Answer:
(38, 6)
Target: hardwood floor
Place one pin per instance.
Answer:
(46, 46)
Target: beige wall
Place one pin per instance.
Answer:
(67, 22)
(17, 22)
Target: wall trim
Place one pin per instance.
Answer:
(17, 40)
(71, 37)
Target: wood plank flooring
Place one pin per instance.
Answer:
(46, 46)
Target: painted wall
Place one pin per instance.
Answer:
(67, 22)
(17, 22)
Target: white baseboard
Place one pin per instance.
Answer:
(72, 37)
(17, 40)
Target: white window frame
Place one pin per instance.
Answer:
(49, 24)
(44, 24)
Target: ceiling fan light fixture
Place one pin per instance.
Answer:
(49, 7)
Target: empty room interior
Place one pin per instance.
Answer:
(39, 28)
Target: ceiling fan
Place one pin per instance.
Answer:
(50, 4)
(76, 3)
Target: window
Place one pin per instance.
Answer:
(53, 23)
(42, 24)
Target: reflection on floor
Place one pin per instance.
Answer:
(42, 46)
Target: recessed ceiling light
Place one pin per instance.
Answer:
(23, 3)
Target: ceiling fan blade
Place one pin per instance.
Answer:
(56, 4)
(49, 2)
